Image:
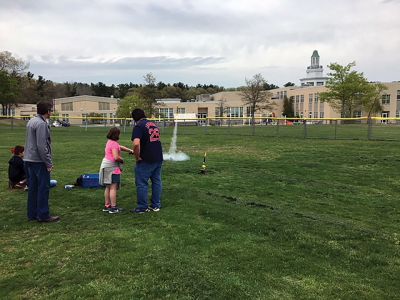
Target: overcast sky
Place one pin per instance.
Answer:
(202, 41)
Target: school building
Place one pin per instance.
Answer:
(306, 103)
(76, 109)
(306, 100)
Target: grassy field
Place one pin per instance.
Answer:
(275, 218)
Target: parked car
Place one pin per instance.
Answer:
(65, 124)
(56, 123)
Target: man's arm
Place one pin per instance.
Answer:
(42, 135)
(136, 149)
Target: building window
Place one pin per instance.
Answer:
(310, 114)
(357, 114)
(248, 111)
(181, 110)
(315, 114)
(321, 114)
(310, 98)
(235, 112)
(386, 99)
(67, 106)
(385, 114)
(297, 98)
(398, 95)
(104, 116)
(301, 98)
(104, 105)
(219, 111)
(320, 83)
(65, 117)
(397, 114)
(166, 113)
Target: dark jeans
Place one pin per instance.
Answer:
(38, 190)
(143, 172)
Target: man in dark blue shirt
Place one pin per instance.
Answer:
(149, 157)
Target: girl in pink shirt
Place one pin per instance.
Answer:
(112, 153)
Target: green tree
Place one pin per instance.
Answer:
(371, 100)
(11, 64)
(255, 96)
(11, 71)
(289, 84)
(102, 90)
(128, 104)
(148, 94)
(288, 110)
(9, 91)
(71, 89)
(346, 89)
(267, 86)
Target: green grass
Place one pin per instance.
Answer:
(275, 218)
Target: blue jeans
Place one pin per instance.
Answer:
(143, 172)
(38, 190)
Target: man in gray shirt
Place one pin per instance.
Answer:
(39, 164)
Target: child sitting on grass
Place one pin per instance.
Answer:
(16, 170)
(110, 170)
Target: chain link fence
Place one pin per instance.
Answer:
(374, 128)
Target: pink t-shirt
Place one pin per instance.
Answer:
(108, 153)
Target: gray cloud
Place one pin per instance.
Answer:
(125, 63)
(221, 40)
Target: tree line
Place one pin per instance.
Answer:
(19, 85)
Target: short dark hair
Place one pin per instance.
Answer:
(113, 134)
(138, 114)
(17, 150)
(44, 107)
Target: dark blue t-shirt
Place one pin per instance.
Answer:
(150, 145)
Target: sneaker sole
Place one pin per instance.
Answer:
(140, 212)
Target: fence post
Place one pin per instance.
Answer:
(335, 129)
(277, 127)
(305, 128)
(369, 122)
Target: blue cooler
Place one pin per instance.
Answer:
(90, 181)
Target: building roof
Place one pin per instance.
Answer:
(315, 54)
(169, 100)
(315, 78)
(87, 98)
